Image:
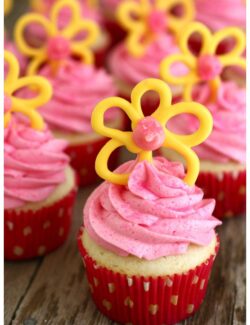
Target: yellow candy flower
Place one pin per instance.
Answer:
(207, 66)
(150, 133)
(27, 107)
(8, 5)
(145, 20)
(61, 43)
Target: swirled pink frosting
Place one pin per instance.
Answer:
(77, 88)
(132, 70)
(34, 164)
(219, 14)
(228, 139)
(155, 215)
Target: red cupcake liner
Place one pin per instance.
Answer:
(117, 34)
(36, 233)
(142, 300)
(228, 189)
(83, 158)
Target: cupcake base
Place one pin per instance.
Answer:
(33, 233)
(142, 300)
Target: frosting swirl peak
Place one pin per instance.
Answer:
(155, 215)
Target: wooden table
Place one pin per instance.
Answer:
(54, 290)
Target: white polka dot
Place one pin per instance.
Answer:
(41, 250)
(10, 225)
(96, 282)
(130, 281)
(202, 284)
(46, 224)
(60, 212)
(235, 174)
(168, 282)
(195, 279)
(61, 232)
(174, 300)
(18, 251)
(27, 231)
(111, 287)
(220, 176)
(146, 286)
(153, 309)
(190, 308)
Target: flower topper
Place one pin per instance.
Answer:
(61, 43)
(146, 19)
(150, 133)
(27, 107)
(8, 4)
(207, 66)
(41, 6)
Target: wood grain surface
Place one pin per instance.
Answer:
(53, 289)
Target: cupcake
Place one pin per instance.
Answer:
(10, 46)
(223, 155)
(77, 87)
(148, 241)
(151, 37)
(35, 33)
(39, 185)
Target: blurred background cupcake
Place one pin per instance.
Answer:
(77, 84)
(39, 184)
(223, 154)
(148, 241)
(151, 35)
(35, 33)
(116, 31)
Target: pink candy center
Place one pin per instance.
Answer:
(58, 48)
(7, 103)
(209, 67)
(148, 134)
(157, 21)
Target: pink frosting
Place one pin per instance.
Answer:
(77, 88)
(34, 164)
(132, 70)
(155, 215)
(228, 139)
(219, 14)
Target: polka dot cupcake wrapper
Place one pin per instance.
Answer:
(228, 189)
(35, 233)
(83, 158)
(145, 300)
